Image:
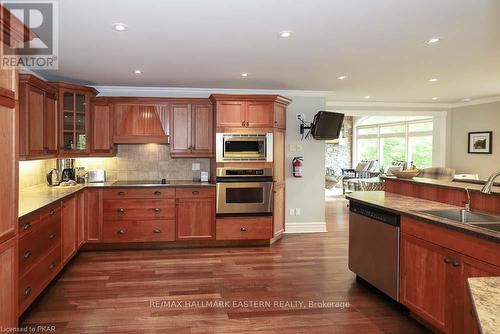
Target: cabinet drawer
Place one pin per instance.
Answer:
(119, 193)
(35, 244)
(195, 192)
(31, 284)
(30, 223)
(244, 228)
(131, 209)
(139, 231)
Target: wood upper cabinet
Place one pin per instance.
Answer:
(250, 111)
(191, 130)
(102, 128)
(195, 213)
(69, 228)
(9, 283)
(37, 118)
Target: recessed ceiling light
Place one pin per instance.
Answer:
(467, 99)
(342, 77)
(137, 71)
(244, 75)
(434, 98)
(433, 40)
(120, 27)
(433, 80)
(367, 97)
(286, 34)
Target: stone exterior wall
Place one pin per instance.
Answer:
(338, 155)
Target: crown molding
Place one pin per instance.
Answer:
(364, 104)
(198, 92)
(484, 100)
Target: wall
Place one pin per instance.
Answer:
(306, 193)
(132, 162)
(462, 120)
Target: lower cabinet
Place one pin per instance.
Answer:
(69, 228)
(93, 212)
(244, 228)
(434, 272)
(139, 230)
(80, 219)
(195, 213)
(8, 283)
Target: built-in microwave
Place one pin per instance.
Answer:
(234, 147)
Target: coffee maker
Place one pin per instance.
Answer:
(66, 168)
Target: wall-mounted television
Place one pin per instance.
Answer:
(326, 125)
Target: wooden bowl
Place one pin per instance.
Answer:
(406, 174)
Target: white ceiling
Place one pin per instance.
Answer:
(379, 44)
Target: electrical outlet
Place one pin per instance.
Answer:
(195, 166)
(297, 212)
(291, 212)
(292, 147)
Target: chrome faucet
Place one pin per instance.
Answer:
(487, 187)
(463, 212)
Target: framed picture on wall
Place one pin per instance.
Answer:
(480, 142)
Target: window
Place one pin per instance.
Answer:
(389, 138)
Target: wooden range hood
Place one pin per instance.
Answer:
(140, 124)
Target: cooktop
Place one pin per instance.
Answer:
(140, 182)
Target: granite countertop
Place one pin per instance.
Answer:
(443, 183)
(408, 206)
(37, 197)
(485, 293)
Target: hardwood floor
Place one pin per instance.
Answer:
(135, 291)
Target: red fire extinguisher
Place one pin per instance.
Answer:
(297, 166)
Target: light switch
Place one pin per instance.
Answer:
(195, 166)
(297, 212)
(292, 147)
(298, 147)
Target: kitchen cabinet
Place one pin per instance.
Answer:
(9, 283)
(138, 123)
(250, 111)
(80, 218)
(195, 213)
(102, 128)
(74, 118)
(37, 118)
(69, 228)
(191, 130)
(434, 271)
(279, 182)
(94, 212)
(244, 228)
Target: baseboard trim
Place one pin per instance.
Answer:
(305, 227)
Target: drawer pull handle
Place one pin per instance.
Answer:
(156, 209)
(26, 226)
(243, 229)
(52, 266)
(243, 123)
(447, 260)
(156, 231)
(157, 193)
(195, 192)
(121, 193)
(120, 210)
(52, 236)
(455, 264)
(120, 231)
(27, 254)
(27, 291)
(52, 212)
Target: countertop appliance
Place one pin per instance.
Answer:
(53, 177)
(66, 168)
(374, 247)
(244, 147)
(242, 191)
(96, 176)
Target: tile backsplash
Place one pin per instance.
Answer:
(132, 162)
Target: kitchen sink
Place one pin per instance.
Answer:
(463, 216)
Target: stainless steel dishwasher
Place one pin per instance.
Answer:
(374, 247)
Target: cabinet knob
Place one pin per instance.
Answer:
(27, 291)
(455, 264)
(52, 266)
(156, 209)
(243, 123)
(243, 229)
(120, 231)
(121, 193)
(26, 226)
(27, 254)
(447, 260)
(120, 210)
(157, 193)
(157, 231)
(52, 236)
(52, 212)
(195, 192)
(248, 124)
